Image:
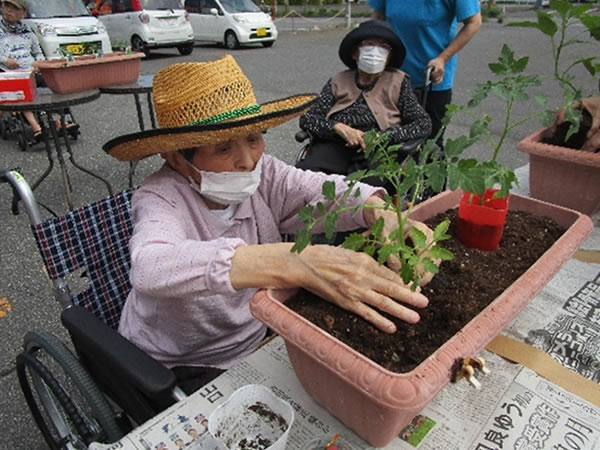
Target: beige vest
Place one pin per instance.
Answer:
(382, 99)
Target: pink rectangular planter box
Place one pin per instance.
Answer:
(88, 72)
(563, 176)
(374, 402)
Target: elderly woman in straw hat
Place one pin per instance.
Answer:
(371, 94)
(208, 225)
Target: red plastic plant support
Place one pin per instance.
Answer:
(481, 224)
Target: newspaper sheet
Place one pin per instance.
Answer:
(514, 409)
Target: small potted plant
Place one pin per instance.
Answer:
(558, 173)
(79, 73)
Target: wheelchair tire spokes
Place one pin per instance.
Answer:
(68, 407)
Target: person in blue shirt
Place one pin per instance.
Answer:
(431, 34)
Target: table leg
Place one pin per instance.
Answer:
(61, 160)
(65, 136)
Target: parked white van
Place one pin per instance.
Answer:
(146, 24)
(67, 25)
(231, 22)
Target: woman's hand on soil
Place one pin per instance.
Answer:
(357, 283)
(352, 136)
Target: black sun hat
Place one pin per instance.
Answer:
(372, 29)
(204, 103)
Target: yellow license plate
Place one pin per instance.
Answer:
(75, 49)
(261, 32)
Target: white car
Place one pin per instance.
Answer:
(66, 26)
(231, 22)
(146, 24)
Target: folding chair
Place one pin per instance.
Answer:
(108, 385)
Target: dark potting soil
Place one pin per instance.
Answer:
(576, 140)
(461, 290)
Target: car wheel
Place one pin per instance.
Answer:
(268, 44)
(137, 45)
(231, 40)
(185, 49)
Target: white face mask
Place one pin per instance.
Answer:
(227, 188)
(372, 59)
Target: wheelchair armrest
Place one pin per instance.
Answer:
(411, 146)
(106, 346)
(301, 136)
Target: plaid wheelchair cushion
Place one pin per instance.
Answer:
(94, 237)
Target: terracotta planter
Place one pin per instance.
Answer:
(374, 402)
(89, 72)
(481, 225)
(563, 176)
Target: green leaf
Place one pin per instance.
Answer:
(302, 240)
(429, 265)
(592, 23)
(354, 241)
(438, 252)
(407, 273)
(384, 253)
(305, 214)
(520, 64)
(562, 7)
(329, 190)
(547, 25)
(330, 224)
(418, 237)
(440, 230)
(370, 250)
(377, 228)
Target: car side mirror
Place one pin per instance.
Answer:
(214, 11)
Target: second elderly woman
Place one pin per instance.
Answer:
(372, 94)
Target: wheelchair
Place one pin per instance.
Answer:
(14, 126)
(409, 148)
(106, 386)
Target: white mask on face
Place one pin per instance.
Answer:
(372, 59)
(227, 188)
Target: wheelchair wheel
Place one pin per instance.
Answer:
(22, 141)
(66, 404)
(4, 127)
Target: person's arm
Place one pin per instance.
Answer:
(314, 120)
(470, 27)
(36, 49)
(416, 123)
(352, 280)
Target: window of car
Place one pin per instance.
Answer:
(57, 8)
(207, 5)
(239, 6)
(121, 6)
(192, 6)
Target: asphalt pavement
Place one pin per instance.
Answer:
(300, 61)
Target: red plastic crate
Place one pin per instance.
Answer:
(17, 86)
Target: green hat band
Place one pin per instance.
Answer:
(228, 115)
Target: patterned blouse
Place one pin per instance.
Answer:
(18, 42)
(415, 121)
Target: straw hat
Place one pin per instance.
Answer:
(204, 103)
(372, 29)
